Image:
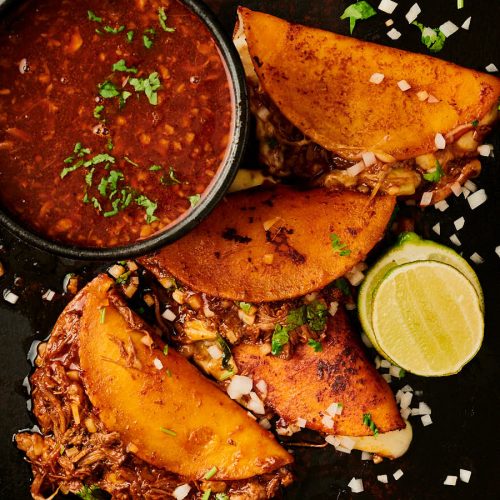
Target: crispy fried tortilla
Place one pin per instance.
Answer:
(275, 244)
(311, 87)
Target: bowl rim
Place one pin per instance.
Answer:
(223, 179)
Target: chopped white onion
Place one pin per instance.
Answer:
(158, 364)
(407, 388)
(432, 99)
(387, 6)
(387, 377)
(10, 297)
(454, 239)
(466, 23)
(347, 442)
(441, 205)
(215, 352)
(465, 192)
(465, 475)
(398, 396)
(356, 485)
(383, 478)
(485, 149)
(450, 481)
(398, 474)
(389, 22)
(491, 68)
(413, 13)
(415, 412)
(48, 295)
(476, 199)
(239, 386)
(116, 270)
(440, 141)
(385, 364)
(377, 362)
(332, 409)
(497, 250)
(393, 34)
(311, 297)
(448, 28)
(476, 258)
(181, 491)
(365, 455)
(265, 424)
(340, 408)
(437, 228)
(471, 186)
(301, 422)
(207, 311)
(426, 420)
(405, 413)
(355, 169)
(333, 308)
(377, 78)
(426, 199)
(354, 276)
(404, 85)
(456, 188)
(327, 421)
(332, 440)
(422, 95)
(395, 371)
(459, 223)
(255, 404)
(406, 400)
(424, 409)
(368, 158)
(169, 315)
(262, 386)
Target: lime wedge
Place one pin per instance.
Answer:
(409, 248)
(427, 318)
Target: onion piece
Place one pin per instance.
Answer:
(356, 485)
(422, 95)
(169, 315)
(398, 474)
(404, 85)
(10, 297)
(262, 386)
(377, 78)
(471, 186)
(331, 439)
(327, 421)
(181, 491)
(332, 310)
(255, 404)
(387, 6)
(432, 99)
(158, 364)
(485, 149)
(426, 420)
(383, 478)
(497, 250)
(476, 258)
(393, 34)
(389, 22)
(215, 352)
(465, 475)
(265, 424)
(405, 413)
(448, 28)
(437, 228)
(365, 455)
(369, 158)
(49, 295)
(426, 199)
(450, 481)
(413, 13)
(355, 169)
(491, 68)
(459, 223)
(332, 409)
(454, 239)
(456, 188)
(439, 141)
(476, 199)
(466, 23)
(406, 400)
(441, 205)
(301, 422)
(240, 385)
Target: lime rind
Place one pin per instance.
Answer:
(409, 248)
(474, 312)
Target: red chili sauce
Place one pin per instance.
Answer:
(115, 116)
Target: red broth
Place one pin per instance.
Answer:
(115, 116)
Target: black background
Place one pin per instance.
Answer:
(465, 408)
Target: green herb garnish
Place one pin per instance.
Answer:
(402, 372)
(123, 278)
(432, 38)
(296, 317)
(66, 170)
(150, 206)
(122, 66)
(113, 31)
(123, 98)
(88, 176)
(226, 353)
(245, 306)
(316, 314)
(475, 123)
(130, 36)
(367, 420)
(109, 144)
(169, 373)
(162, 17)
(338, 246)
(210, 474)
(148, 42)
(279, 339)
(460, 4)
(170, 432)
(155, 168)
(102, 315)
(165, 350)
(99, 158)
(436, 174)
(108, 90)
(172, 179)
(343, 286)
(93, 17)
(358, 11)
(98, 110)
(96, 204)
(87, 492)
(194, 200)
(149, 86)
(315, 345)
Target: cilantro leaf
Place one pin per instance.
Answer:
(109, 144)
(245, 306)
(367, 420)
(148, 42)
(315, 345)
(96, 204)
(279, 339)
(432, 38)
(357, 11)
(436, 174)
(108, 90)
(474, 123)
(316, 315)
(155, 168)
(113, 31)
(66, 170)
(130, 36)
(221, 496)
(162, 17)
(172, 179)
(88, 177)
(111, 181)
(150, 206)
(341, 284)
(194, 200)
(296, 317)
(147, 85)
(226, 353)
(338, 246)
(99, 158)
(122, 66)
(93, 17)
(98, 110)
(87, 492)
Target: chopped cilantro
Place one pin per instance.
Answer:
(475, 123)
(113, 31)
(358, 11)
(150, 206)
(402, 372)
(338, 246)
(436, 174)
(342, 285)
(162, 17)
(128, 160)
(206, 495)
(111, 181)
(165, 350)
(315, 345)
(102, 315)
(122, 199)
(432, 38)
(99, 158)
(226, 353)
(109, 144)
(148, 42)
(245, 306)
(122, 66)
(147, 85)
(108, 90)
(130, 36)
(296, 317)
(93, 17)
(88, 177)
(96, 204)
(367, 420)
(316, 315)
(155, 168)
(170, 432)
(210, 474)
(87, 492)
(172, 179)
(66, 170)
(98, 110)
(279, 339)
(194, 200)
(123, 98)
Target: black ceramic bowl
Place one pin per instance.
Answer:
(221, 183)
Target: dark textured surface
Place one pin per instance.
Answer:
(464, 407)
